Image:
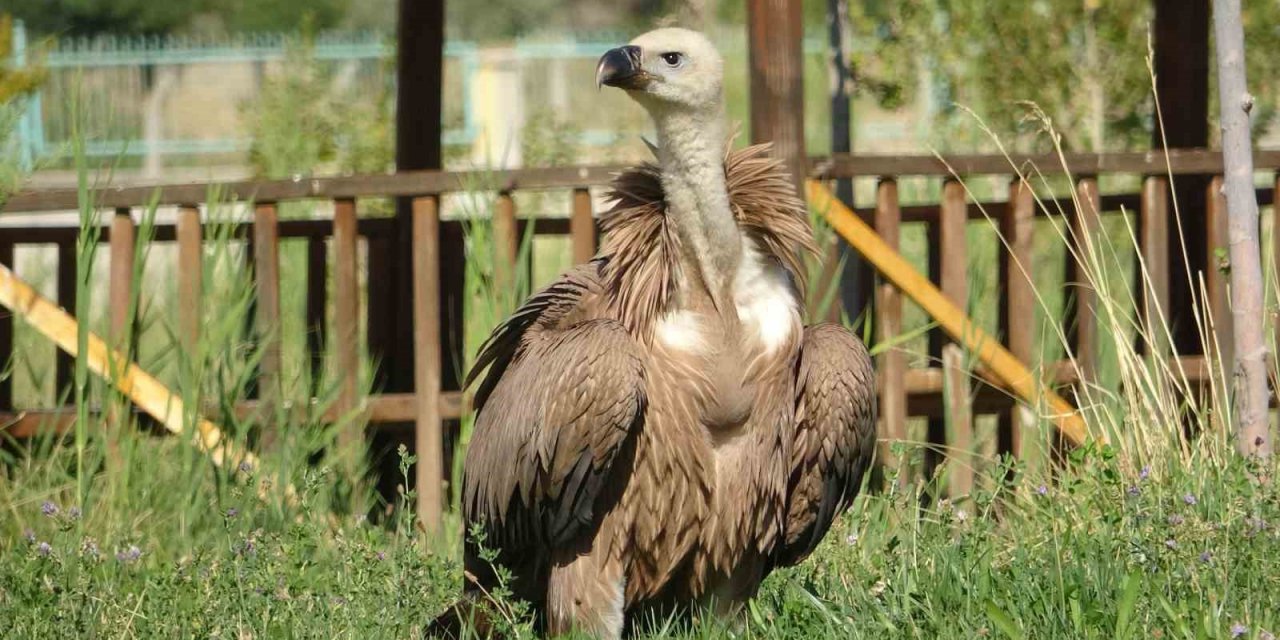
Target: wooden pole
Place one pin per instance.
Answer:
(346, 318)
(419, 108)
(426, 334)
(1154, 243)
(190, 276)
(1082, 317)
(506, 244)
(1006, 368)
(892, 362)
(582, 227)
(776, 30)
(1017, 298)
(266, 272)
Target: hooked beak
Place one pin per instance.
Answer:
(621, 68)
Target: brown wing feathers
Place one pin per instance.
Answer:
(835, 439)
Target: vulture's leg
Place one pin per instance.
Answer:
(726, 595)
(586, 592)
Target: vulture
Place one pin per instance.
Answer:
(657, 430)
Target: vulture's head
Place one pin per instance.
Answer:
(666, 69)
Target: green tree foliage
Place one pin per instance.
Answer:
(1083, 62)
(302, 122)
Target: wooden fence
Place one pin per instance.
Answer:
(904, 391)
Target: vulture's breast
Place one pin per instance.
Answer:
(733, 365)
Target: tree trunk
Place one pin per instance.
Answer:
(1242, 215)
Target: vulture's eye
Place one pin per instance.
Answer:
(673, 58)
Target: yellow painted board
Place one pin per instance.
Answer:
(143, 389)
(1006, 368)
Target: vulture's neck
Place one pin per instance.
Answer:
(691, 154)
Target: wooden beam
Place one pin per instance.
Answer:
(1217, 279)
(190, 277)
(775, 32)
(1153, 278)
(1178, 161)
(582, 227)
(1017, 302)
(266, 274)
(506, 243)
(1083, 259)
(346, 322)
(409, 183)
(429, 442)
(892, 362)
(954, 282)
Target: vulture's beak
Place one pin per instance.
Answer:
(621, 68)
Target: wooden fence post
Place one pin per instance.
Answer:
(953, 278)
(582, 227)
(506, 243)
(190, 276)
(1017, 301)
(1218, 306)
(1082, 318)
(266, 271)
(1153, 243)
(346, 314)
(427, 361)
(888, 310)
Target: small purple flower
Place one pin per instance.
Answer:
(90, 548)
(1206, 557)
(1042, 490)
(1175, 520)
(29, 536)
(233, 512)
(1133, 491)
(380, 555)
(851, 539)
(49, 509)
(129, 555)
(1144, 473)
(44, 549)
(339, 601)
(1258, 525)
(1190, 499)
(245, 467)
(1238, 630)
(1171, 543)
(74, 513)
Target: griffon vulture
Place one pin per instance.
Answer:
(657, 430)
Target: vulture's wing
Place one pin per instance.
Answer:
(561, 397)
(835, 435)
